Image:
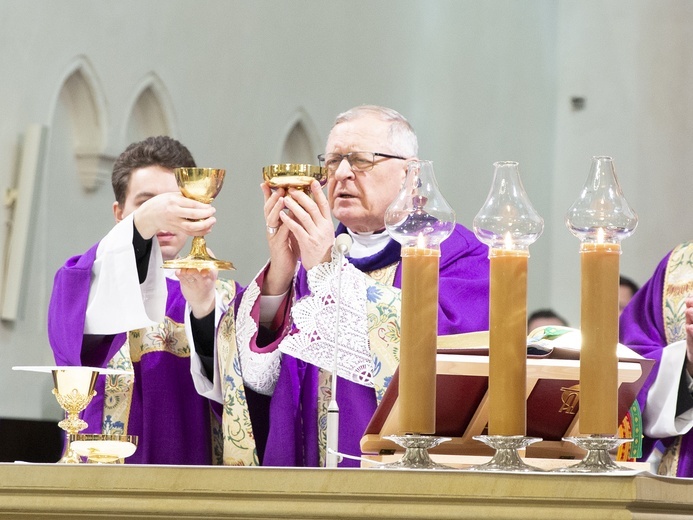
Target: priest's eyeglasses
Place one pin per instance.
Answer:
(358, 161)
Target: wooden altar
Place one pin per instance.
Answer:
(90, 491)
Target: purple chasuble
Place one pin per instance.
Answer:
(463, 307)
(172, 421)
(642, 329)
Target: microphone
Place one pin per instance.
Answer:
(342, 244)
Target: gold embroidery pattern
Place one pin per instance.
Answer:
(167, 336)
(239, 442)
(118, 394)
(670, 459)
(678, 284)
(385, 275)
(324, 396)
(384, 335)
(217, 439)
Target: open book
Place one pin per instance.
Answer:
(553, 370)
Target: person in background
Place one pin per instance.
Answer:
(658, 324)
(114, 306)
(289, 306)
(626, 290)
(543, 318)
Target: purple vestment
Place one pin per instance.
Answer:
(642, 329)
(172, 421)
(463, 307)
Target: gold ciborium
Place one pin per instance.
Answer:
(103, 449)
(202, 185)
(297, 176)
(73, 387)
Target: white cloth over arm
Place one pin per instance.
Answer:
(260, 370)
(117, 301)
(659, 416)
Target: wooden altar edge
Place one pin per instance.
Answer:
(473, 369)
(91, 491)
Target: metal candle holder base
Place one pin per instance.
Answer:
(416, 451)
(597, 459)
(506, 457)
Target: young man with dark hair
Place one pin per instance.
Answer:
(114, 306)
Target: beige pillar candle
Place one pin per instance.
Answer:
(418, 340)
(508, 342)
(599, 324)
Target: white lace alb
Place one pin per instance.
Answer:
(260, 370)
(315, 320)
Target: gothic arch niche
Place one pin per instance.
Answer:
(81, 103)
(301, 142)
(150, 113)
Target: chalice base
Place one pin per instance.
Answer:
(199, 258)
(415, 455)
(70, 456)
(597, 459)
(506, 457)
(190, 262)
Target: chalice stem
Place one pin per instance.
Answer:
(71, 424)
(199, 248)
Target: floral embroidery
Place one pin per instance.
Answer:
(373, 293)
(111, 427)
(677, 286)
(237, 430)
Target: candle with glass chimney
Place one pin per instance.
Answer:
(600, 218)
(419, 219)
(508, 224)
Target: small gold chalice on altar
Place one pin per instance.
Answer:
(297, 176)
(202, 185)
(73, 387)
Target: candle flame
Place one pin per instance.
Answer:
(421, 242)
(600, 235)
(508, 242)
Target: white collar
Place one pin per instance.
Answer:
(367, 244)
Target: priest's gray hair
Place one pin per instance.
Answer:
(402, 137)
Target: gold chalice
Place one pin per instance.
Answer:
(202, 185)
(73, 387)
(293, 176)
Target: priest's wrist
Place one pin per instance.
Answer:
(143, 227)
(271, 286)
(201, 310)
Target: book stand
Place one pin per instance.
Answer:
(462, 404)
